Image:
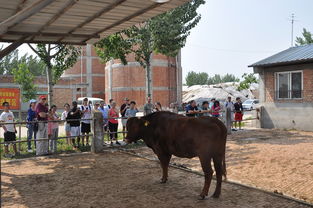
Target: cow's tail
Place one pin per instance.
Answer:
(224, 168)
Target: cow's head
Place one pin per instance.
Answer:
(135, 129)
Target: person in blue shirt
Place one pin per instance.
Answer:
(192, 109)
(105, 113)
(32, 130)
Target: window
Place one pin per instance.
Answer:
(289, 85)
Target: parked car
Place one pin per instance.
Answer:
(250, 104)
(91, 101)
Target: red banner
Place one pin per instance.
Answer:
(12, 96)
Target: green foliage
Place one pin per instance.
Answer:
(166, 34)
(9, 62)
(12, 61)
(194, 78)
(65, 59)
(25, 78)
(307, 38)
(216, 79)
(57, 58)
(203, 78)
(248, 79)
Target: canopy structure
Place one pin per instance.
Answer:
(75, 22)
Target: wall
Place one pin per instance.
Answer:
(286, 113)
(287, 116)
(130, 80)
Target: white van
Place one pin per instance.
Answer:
(91, 101)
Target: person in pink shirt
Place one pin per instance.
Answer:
(53, 129)
(113, 122)
(216, 109)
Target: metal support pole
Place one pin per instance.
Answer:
(228, 120)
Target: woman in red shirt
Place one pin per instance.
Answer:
(113, 123)
(216, 109)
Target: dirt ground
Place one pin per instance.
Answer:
(115, 179)
(275, 160)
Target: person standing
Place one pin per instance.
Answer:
(85, 124)
(132, 110)
(123, 109)
(9, 129)
(238, 112)
(205, 111)
(32, 128)
(110, 103)
(192, 109)
(230, 106)
(53, 129)
(113, 123)
(67, 126)
(148, 107)
(216, 109)
(158, 106)
(42, 147)
(105, 113)
(74, 113)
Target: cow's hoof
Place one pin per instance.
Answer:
(215, 196)
(163, 180)
(201, 197)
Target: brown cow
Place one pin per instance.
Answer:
(169, 134)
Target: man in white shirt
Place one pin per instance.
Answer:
(9, 129)
(230, 105)
(85, 124)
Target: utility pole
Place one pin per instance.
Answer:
(292, 21)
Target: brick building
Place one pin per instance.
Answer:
(286, 89)
(91, 78)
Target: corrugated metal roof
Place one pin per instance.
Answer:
(297, 54)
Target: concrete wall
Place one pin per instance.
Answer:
(287, 116)
(286, 113)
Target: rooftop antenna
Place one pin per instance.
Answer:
(292, 20)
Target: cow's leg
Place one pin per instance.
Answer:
(208, 172)
(218, 166)
(164, 160)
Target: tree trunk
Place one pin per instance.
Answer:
(50, 85)
(148, 80)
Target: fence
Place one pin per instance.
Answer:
(97, 130)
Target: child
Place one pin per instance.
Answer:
(53, 129)
(216, 109)
(9, 129)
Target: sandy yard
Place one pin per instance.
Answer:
(274, 160)
(115, 179)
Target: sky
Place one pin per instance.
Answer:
(233, 34)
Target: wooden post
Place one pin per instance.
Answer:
(228, 120)
(97, 130)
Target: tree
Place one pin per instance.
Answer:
(194, 78)
(165, 34)
(307, 38)
(216, 79)
(57, 58)
(25, 78)
(13, 60)
(248, 79)
(9, 62)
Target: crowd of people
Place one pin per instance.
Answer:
(77, 120)
(214, 108)
(43, 122)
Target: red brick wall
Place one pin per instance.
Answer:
(269, 83)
